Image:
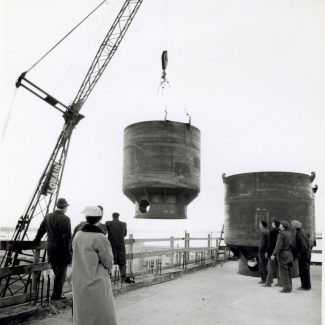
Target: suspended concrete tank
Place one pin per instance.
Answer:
(161, 168)
(253, 197)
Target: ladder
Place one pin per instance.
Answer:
(221, 249)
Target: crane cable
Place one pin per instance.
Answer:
(164, 61)
(9, 114)
(64, 37)
(14, 96)
(164, 57)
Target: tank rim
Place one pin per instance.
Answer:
(267, 172)
(174, 122)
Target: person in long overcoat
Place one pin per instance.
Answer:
(92, 262)
(82, 223)
(283, 252)
(304, 254)
(116, 231)
(58, 228)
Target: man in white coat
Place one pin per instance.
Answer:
(92, 261)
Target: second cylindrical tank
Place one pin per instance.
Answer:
(161, 168)
(253, 197)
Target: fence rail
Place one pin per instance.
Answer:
(26, 277)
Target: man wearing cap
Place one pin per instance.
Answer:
(58, 228)
(262, 260)
(304, 254)
(116, 231)
(91, 264)
(283, 252)
(272, 265)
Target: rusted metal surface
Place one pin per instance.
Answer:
(253, 197)
(161, 168)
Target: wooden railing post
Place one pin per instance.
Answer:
(131, 253)
(37, 255)
(209, 245)
(171, 258)
(187, 245)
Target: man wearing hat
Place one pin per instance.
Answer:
(304, 254)
(272, 266)
(82, 223)
(58, 228)
(283, 252)
(116, 231)
(91, 264)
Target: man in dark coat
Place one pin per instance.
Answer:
(58, 228)
(272, 266)
(283, 252)
(304, 254)
(116, 231)
(262, 260)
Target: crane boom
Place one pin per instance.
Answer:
(47, 190)
(107, 50)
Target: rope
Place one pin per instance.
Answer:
(9, 113)
(63, 38)
(186, 112)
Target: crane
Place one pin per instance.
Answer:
(48, 186)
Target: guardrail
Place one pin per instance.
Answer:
(22, 282)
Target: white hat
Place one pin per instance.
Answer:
(92, 211)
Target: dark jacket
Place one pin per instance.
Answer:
(58, 228)
(272, 240)
(284, 243)
(264, 238)
(116, 231)
(302, 242)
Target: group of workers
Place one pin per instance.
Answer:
(93, 249)
(278, 248)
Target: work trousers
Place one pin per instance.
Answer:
(285, 263)
(272, 271)
(262, 266)
(60, 273)
(122, 269)
(304, 269)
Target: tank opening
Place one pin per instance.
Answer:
(144, 206)
(252, 264)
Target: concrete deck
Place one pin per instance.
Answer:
(215, 295)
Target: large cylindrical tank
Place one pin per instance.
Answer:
(253, 197)
(161, 168)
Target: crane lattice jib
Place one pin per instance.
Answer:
(47, 189)
(106, 50)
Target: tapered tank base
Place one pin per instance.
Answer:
(247, 266)
(250, 266)
(161, 207)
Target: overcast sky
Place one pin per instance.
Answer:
(250, 74)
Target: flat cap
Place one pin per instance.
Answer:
(276, 222)
(296, 224)
(92, 211)
(115, 214)
(285, 224)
